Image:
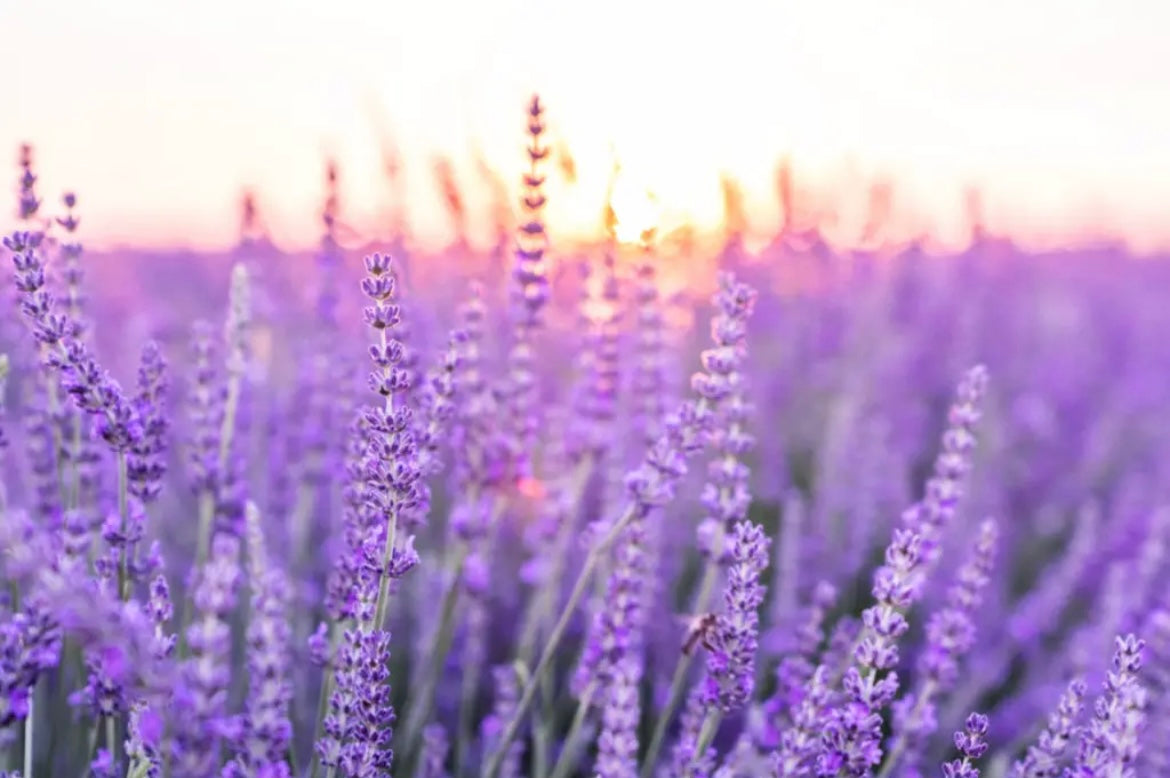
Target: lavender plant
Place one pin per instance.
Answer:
(506, 541)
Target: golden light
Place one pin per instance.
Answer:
(634, 210)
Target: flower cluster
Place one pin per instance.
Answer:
(621, 573)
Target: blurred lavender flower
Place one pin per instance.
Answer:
(204, 725)
(147, 461)
(1109, 745)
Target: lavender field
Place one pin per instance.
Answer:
(565, 512)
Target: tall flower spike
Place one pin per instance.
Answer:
(206, 674)
(972, 744)
(329, 256)
(930, 517)
(266, 730)
(1046, 758)
(731, 662)
(617, 745)
(147, 462)
(92, 388)
(1109, 745)
(205, 411)
(507, 692)
(70, 254)
(28, 202)
(434, 752)
(950, 634)
(1156, 761)
(725, 495)
(390, 465)
(530, 291)
(851, 743)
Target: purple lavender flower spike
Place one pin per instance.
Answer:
(731, 662)
(30, 641)
(617, 745)
(1048, 756)
(930, 517)
(530, 293)
(29, 204)
(390, 465)
(1110, 744)
(205, 409)
(206, 674)
(507, 692)
(800, 741)
(851, 743)
(950, 634)
(434, 752)
(265, 730)
(972, 744)
(147, 461)
(1156, 761)
(683, 756)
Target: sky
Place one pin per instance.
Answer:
(158, 113)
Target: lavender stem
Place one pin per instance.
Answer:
(679, 679)
(565, 762)
(124, 519)
(445, 634)
(29, 721)
(703, 741)
(583, 578)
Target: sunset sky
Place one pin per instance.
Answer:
(159, 113)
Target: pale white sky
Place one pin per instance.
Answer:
(158, 111)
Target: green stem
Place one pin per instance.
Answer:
(558, 633)
(29, 723)
(566, 761)
(202, 548)
(124, 518)
(422, 697)
(466, 709)
(898, 747)
(75, 469)
(703, 741)
(112, 736)
(383, 602)
(335, 633)
(538, 608)
(541, 736)
(681, 670)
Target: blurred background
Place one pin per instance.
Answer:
(1046, 120)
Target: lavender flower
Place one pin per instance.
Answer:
(503, 710)
(851, 742)
(950, 634)
(530, 293)
(265, 730)
(929, 517)
(29, 204)
(797, 667)
(434, 753)
(1110, 744)
(731, 663)
(206, 674)
(617, 745)
(1046, 758)
(30, 641)
(147, 460)
(972, 744)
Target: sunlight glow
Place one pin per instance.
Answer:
(1066, 130)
